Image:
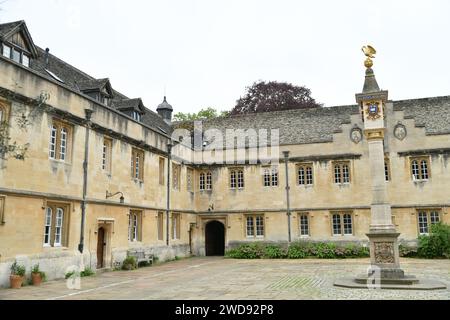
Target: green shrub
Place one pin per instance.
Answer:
(247, 251)
(407, 251)
(87, 272)
(326, 250)
(17, 269)
(36, 269)
(436, 244)
(274, 252)
(297, 251)
(129, 263)
(70, 274)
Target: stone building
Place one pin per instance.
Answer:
(95, 180)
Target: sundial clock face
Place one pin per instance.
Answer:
(373, 110)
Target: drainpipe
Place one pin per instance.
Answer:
(169, 150)
(88, 113)
(286, 161)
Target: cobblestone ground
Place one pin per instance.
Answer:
(219, 279)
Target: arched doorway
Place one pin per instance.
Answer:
(215, 239)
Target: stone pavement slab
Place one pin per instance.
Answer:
(227, 279)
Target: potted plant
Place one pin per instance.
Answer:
(37, 276)
(17, 275)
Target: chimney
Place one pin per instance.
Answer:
(46, 57)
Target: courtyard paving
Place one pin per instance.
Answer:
(226, 279)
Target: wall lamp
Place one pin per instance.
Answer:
(109, 195)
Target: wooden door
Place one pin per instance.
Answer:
(100, 247)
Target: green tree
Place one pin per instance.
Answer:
(208, 113)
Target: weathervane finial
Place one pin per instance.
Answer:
(370, 53)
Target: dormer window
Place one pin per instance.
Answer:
(137, 116)
(16, 55)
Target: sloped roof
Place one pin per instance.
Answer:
(431, 113)
(9, 29)
(77, 80)
(317, 125)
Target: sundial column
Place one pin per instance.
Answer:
(383, 237)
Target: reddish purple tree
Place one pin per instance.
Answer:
(274, 96)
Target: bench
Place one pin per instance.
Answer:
(141, 256)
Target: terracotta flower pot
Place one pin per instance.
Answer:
(16, 281)
(36, 278)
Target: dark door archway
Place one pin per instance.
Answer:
(215, 239)
(100, 247)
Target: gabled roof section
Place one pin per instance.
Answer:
(8, 30)
(128, 104)
(102, 85)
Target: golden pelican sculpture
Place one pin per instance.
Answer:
(370, 53)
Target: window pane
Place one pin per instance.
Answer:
(337, 225)
(345, 174)
(309, 176)
(202, 181)
(274, 177)
(304, 227)
(337, 174)
(424, 167)
(58, 226)
(301, 176)
(25, 60)
(16, 55)
(135, 227)
(7, 51)
(240, 179)
(233, 179)
(348, 226)
(250, 227)
(266, 178)
(434, 217)
(415, 170)
(423, 223)
(386, 171)
(209, 181)
(105, 148)
(63, 146)
(52, 147)
(48, 226)
(189, 179)
(260, 226)
(136, 171)
(130, 220)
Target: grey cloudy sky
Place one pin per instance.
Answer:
(206, 52)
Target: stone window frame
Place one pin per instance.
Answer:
(175, 226)
(236, 178)
(176, 176)
(341, 214)
(341, 164)
(55, 206)
(271, 176)
(162, 171)
(305, 166)
(427, 212)
(5, 110)
(254, 218)
(190, 178)
(55, 153)
(107, 155)
(419, 161)
(135, 219)
(203, 178)
(137, 164)
(308, 221)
